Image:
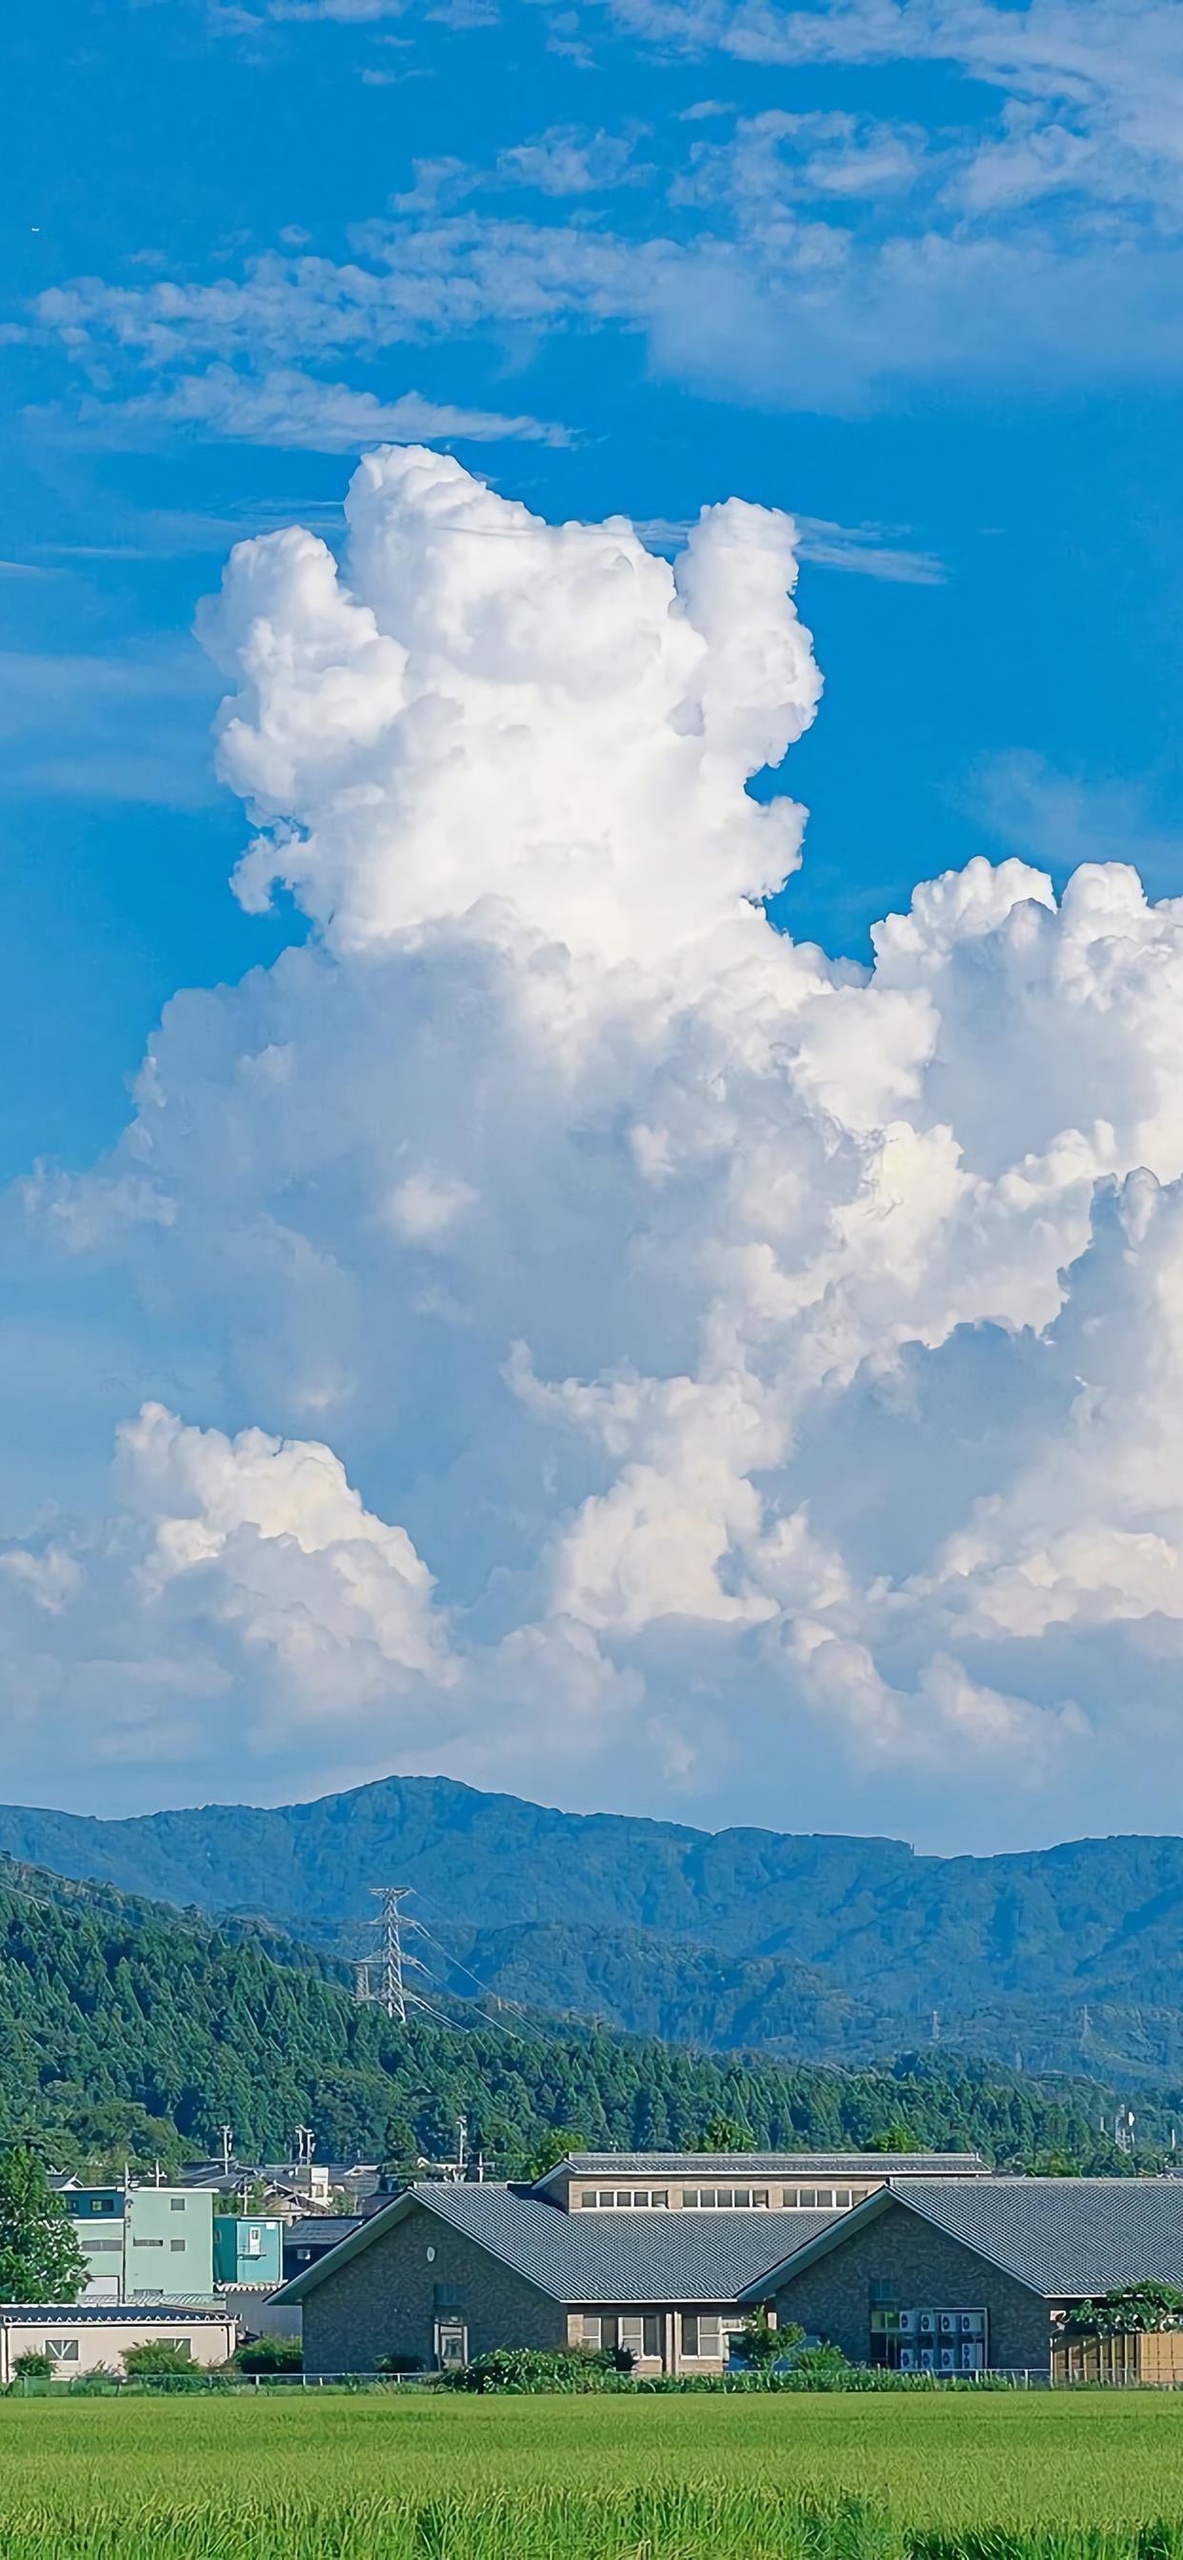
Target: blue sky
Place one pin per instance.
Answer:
(911, 272)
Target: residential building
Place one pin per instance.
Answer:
(144, 2244)
(653, 2252)
(310, 2238)
(87, 2337)
(960, 2275)
(248, 2250)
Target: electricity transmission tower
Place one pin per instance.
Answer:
(382, 1976)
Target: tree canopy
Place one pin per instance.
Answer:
(40, 2260)
(130, 2032)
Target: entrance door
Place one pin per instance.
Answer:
(451, 2343)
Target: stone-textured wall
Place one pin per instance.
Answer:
(832, 2298)
(384, 2301)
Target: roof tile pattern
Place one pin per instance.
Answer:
(585, 2259)
(1068, 2238)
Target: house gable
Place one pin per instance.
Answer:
(897, 2257)
(387, 2299)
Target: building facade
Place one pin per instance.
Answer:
(966, 2275)
(143, 2244)
(248, 2250)
(83, 2338)
(649, 2253)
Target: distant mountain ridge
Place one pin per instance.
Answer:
(817, 1945)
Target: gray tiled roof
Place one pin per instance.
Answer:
(586, 2259)
(600, 2258)
(1066, 2237)
(325, 2229)
(742, 2166)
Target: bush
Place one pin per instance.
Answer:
(269, 2355)
(36, 2365)
(545, 2369)
(160, 2360)
(760, 2346)
(397, 2363)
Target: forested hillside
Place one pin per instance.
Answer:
(826, 1948)
(129, 2031)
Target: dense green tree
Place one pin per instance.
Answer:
(1131, 2307)
(40, 2260)
(130, 2033)
(726, 2133)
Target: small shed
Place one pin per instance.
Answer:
(86, 2337)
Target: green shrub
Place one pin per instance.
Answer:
(157, 2356)
(269, 2355)
(545, 2369)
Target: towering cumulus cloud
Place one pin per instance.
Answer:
(615, 1345)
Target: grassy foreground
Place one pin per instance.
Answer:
(305, 2477)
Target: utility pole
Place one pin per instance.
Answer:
(936, 2026)
(305, 2146)
(227, 2134)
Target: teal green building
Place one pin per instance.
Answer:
(144, 2244)
(248, 2250)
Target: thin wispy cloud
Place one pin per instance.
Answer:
(290, 408)
(861, 549)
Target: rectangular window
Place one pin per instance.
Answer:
(700, 2336)
(176, 2204)
(632, 2332)
(625, 2199)
(883, 2291)
(147, 2244)
(651, 2338)
(842, 2199)
(590, 2328)
(760, 2197)
(63, 2350)
(174, 2245)
(446, 2297)
(253, 2246)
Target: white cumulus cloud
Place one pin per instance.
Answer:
(614, 1345)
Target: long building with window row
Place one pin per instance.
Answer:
(654, 2253)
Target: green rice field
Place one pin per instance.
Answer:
(1084, 2476)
